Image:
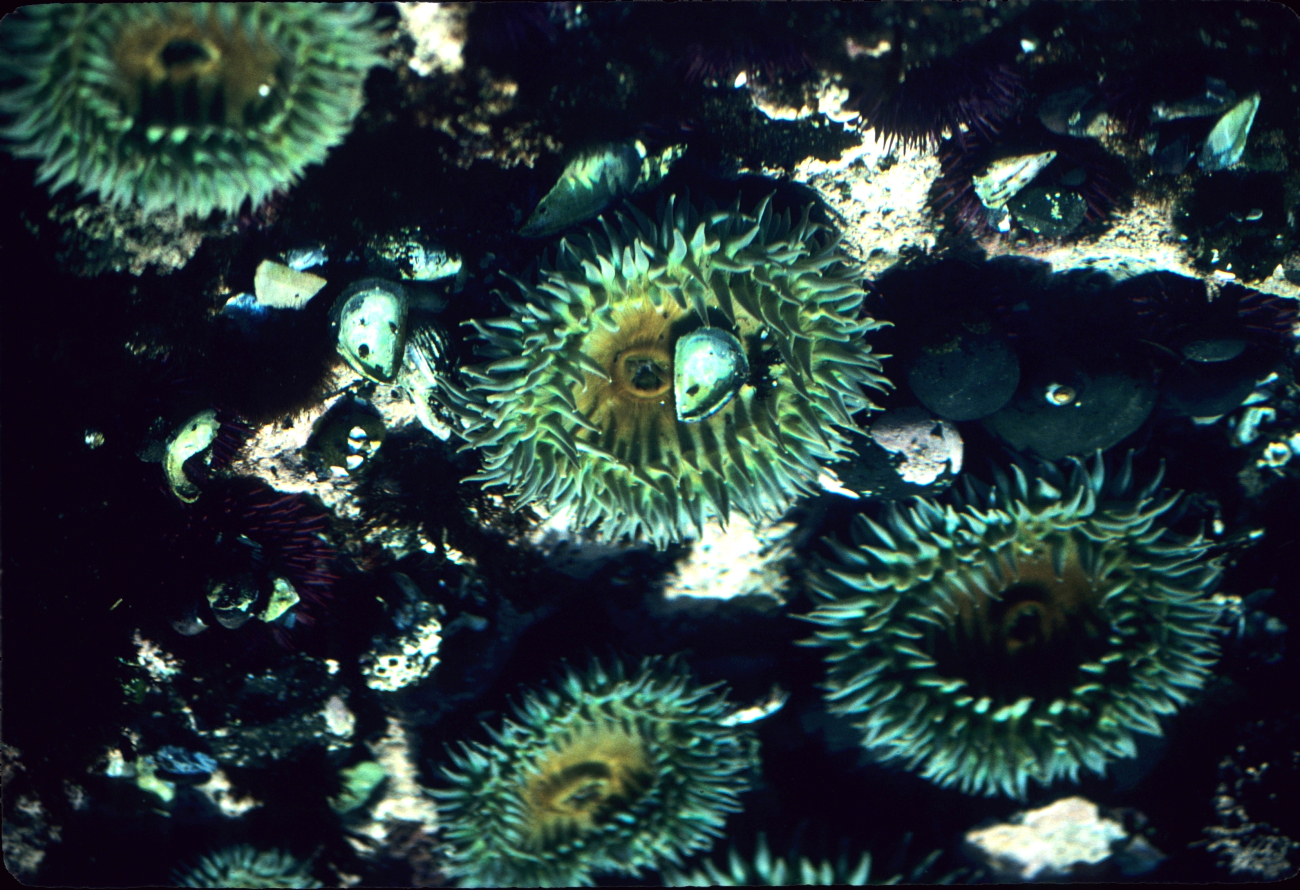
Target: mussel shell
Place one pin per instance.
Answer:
(1003, 178)
(371, 324)
(709, 367)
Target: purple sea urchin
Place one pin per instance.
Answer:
(255, 540)
(969, 93)
(195, 106)
(576, 410)
(604, 774)
(1031, 631)
(1079, 167)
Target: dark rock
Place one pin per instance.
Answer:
(1105, 408)
(967, 377)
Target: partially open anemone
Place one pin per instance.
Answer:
(606, 774)
(1020, 636)
(195, 106)
(765, 870)
(577, 410)
(244, 866)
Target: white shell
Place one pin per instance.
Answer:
(1003, 178)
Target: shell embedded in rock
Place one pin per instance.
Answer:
(1004, 177)
(709, 367)
(371, 324)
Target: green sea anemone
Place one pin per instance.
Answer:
(243, 866)
(579, 408)
(766, 870)
(1020, 635)
(194, 106)
(604, 774)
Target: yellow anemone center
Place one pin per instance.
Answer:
(597, 771)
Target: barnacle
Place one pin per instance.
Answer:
(603, 774)
(243, 866)
(194, 106)
(1026, 633)
(577, 411)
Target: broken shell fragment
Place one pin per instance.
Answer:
(282, 287)
(1003, 178)
(1224, 146)
(709, 367)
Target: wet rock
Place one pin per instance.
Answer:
(876, 471)
(1201, 389)
(926, 448)
(969, 376)
(1053, 213)
(1068, 839)
(1075, 411)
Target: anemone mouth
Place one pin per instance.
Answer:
(643, 372)
(1026, 634)
(584, 782)
(186, 72)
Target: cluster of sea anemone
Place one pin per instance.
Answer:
(1033, 630)
(583, 408)
(191, 106)
(605, 774)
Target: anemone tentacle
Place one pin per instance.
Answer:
(605, 773)
(194, 106)
(575, 407)
(1019, 634)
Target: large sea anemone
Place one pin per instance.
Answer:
(604, 774)
(576, 410)
(1026, 633)
(194, 106)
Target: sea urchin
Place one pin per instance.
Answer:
(1020, 636)
(604, 774)
(577, 409)
(195, 106)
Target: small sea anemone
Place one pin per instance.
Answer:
(972, 92)
(1021, 635)
(579, 409)
(604, 774)
(244, 866)
(194, 106)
